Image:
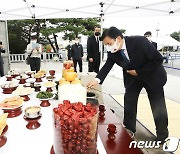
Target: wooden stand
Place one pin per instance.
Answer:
(3, 138)
(38, 80)
(37, 88)
(45, 103)
(32, 123)
(9, 78)
(13, 112)
(26, 98)
(22, 81)
(49, 89)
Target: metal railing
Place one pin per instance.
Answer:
(49, 56)
(14, 58)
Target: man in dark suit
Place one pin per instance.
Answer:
(148, 35)
(93, 51)
(69, 50)
(2, 50)
(77, 54)
(142, 67)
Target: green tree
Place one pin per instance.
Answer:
(176, 35)
(19, 32)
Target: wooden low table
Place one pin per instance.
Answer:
(122, 140)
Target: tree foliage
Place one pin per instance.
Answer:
(20, 31)
(176, 35)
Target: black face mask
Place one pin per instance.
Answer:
(97, 33)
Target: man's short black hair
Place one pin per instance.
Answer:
(33, 37)
(0, 42)
(97, 26)
(147, 33)
(112, 32)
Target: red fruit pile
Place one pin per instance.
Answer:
(75, 128)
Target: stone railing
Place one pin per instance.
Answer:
(14, 58)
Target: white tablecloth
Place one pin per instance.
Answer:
(39, 141)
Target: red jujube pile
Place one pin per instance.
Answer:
(75, 127)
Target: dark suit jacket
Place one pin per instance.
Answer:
(77, 51)
(155, 44)
(93, 48)
(1, 51)
(144, 58)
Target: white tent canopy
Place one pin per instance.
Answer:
(166, 41)
(41, 9)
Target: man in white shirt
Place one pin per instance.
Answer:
(34, 49)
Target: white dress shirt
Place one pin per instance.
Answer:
(125, 49)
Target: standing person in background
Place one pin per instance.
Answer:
(2, 50)
(93, 51)
(148, 35)
(35, 50)
(77, 54)
(69, 50)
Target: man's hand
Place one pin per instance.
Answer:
(92, 84)
(91, 60)
(132, 72)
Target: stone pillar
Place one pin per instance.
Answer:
(5, 42)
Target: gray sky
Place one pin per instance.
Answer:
(139, 25)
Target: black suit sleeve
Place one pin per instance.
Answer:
(152, 58)
(2, 50)
(105, 69)
(71, 52)
(82, 51)
(89, 52)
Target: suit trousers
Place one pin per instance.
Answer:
(35, 64)
(1, 70)
(157, 103)
(79, 63)
(94, 66)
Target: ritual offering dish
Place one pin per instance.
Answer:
(3, 129)
(52, 72)
(38, 79)
(33, 112)
(12, 106)
(75, 128)
(22, 78)
(44, 97)
(112, 131)
(32, 115)
(14, 72)
(37, 87)
(9, 87)
(30, 73)
(8, 78)
(50, 78)
(24, 92)
(39, 75)
(49, 85)
(68, 64)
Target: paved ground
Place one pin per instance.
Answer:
(114, 85)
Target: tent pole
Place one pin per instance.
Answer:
(102, 21)
(8, 52)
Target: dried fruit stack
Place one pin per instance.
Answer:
(75, 128)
